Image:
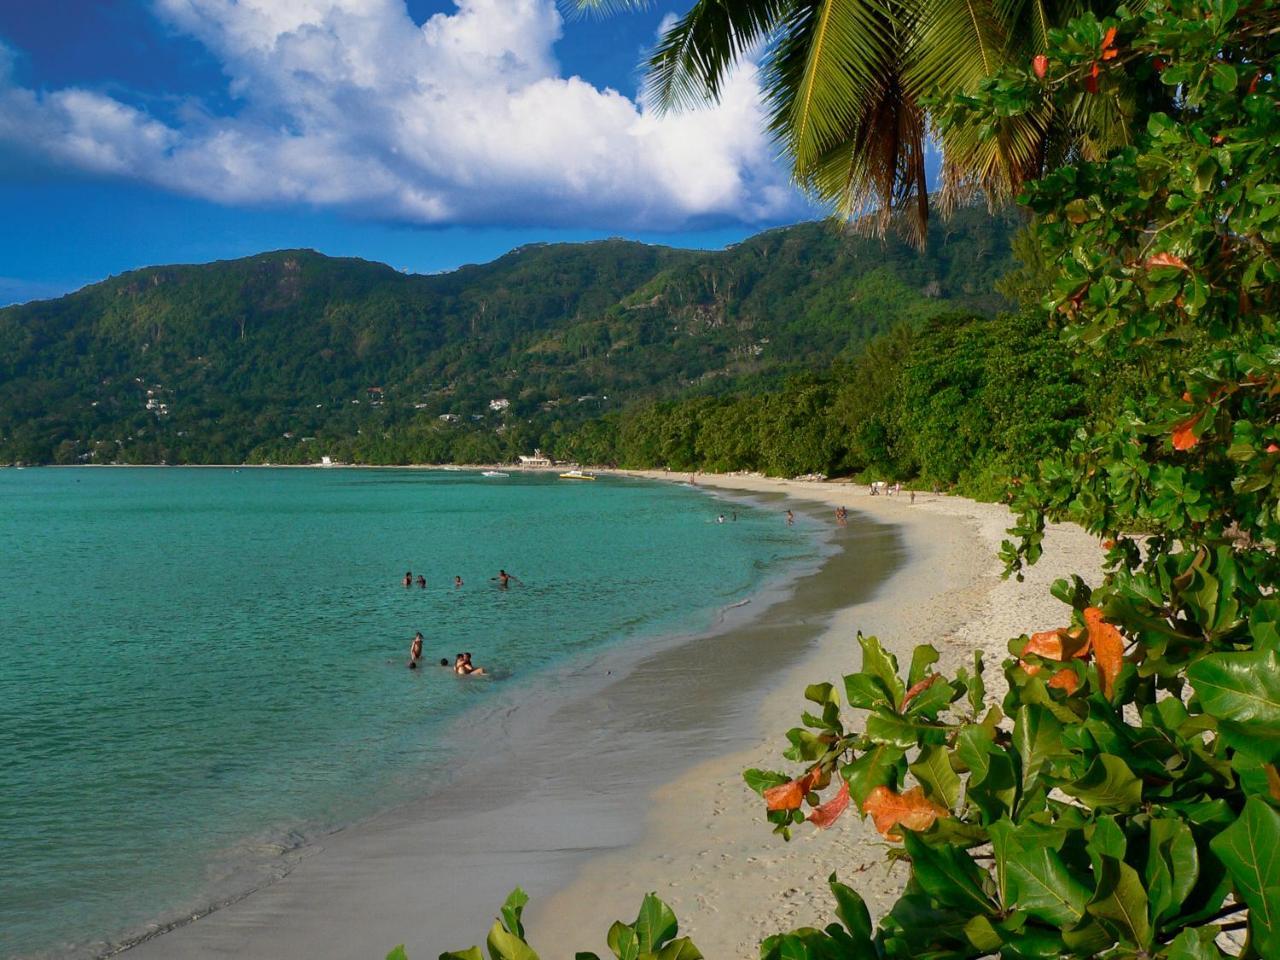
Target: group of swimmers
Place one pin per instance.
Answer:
(462, 664)
(503, 580)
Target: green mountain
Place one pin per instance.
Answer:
(290, 355)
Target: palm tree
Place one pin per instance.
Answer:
(848, 82)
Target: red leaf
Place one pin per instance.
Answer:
(1040, 65)
(1184, 437)
(1272, 448)
(912, 810)
(1091, 80)
(1061, 644)
(827, 814)
(1108, 648)
(1108, 51)
(1065, 680)
(1165, 259)
(790, 795)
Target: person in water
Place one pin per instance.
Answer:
(504, 579)
(415, 649)
(466, 668)
(408, 578)
(457, 582)
(444, 661)
(791, 518)
(422, 581)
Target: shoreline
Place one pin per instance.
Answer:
(707, 849)
(613, 818)
(562, 777)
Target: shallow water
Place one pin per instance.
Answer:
(202, 667)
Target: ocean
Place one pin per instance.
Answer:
(204, 668)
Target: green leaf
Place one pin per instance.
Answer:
(471, 953)
(1250, 849)
(655, 924)
(852, 910)
(875, 768)
(1120, 903)
(504, 945)
(884, 668)
(1173, 866)
(681, 949)
(1107, 784)
(1242, 689)
(820, 693)
(922, 659)
(512, 910)
(623, 941)
(948, 874)
(1037, 736)
(977, 688)
(398, 953)
(933, 769)
(1032, 875)
(900, 732)
(762, 780)
(1195, 943)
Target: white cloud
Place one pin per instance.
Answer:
(467, 118)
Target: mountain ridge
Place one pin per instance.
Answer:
(245, 352)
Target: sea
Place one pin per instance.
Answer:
(202, 669)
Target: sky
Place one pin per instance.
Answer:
(421, 133)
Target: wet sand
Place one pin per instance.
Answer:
(560, 780)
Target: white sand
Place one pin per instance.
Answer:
(707, 849)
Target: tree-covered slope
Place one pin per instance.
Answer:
(207, 363)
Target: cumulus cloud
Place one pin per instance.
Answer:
(466, 118)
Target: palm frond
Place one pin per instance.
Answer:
(691, 60)
(956, 44)
(577, 9)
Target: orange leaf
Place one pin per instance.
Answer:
(789, 795)
(1166, 259)
(1108, 648)
(1060, 644)
(1040, 64)
(1184, 437)
(917, 689)
(827, 814)
(1031, 669)
(912, 810)
(1272, 448)
(1110, 38)
(1065, 680)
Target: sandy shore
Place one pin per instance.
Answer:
(707, 849)
(623, 774)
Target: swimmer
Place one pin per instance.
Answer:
(444, 661)
(422, 581)
(720, 519)
(408, 579)
(466, 668)
(457, 582)
(504, 579)
(415, 649)
(791, 518)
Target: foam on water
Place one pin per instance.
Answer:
(201, 668)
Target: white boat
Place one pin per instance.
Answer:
(494, 473)
(577, 475)
(452, 468)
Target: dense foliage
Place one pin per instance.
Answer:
(955, 400)
(248, 357)
(1122, 800)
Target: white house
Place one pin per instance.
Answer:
(537, 460)
(500, 404)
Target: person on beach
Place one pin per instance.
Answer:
(457, 582)
(415, 649)
(791, 518)
(408, 578)
(504, 579)
(422, 582)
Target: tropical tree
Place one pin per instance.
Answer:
(851, 87)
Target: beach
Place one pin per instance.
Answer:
(623, 774)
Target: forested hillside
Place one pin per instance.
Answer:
(292, 355)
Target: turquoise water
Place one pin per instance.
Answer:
(203, 667)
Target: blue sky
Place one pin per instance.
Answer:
(422, 133)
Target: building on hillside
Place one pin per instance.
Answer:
(500, 404)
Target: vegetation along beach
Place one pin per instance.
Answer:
(813, 496)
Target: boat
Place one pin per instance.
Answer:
(577, 475)
(494, 473)
(451, 468)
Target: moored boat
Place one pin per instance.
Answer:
(577, 475)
